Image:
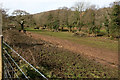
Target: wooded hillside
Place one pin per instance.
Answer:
(79, 18)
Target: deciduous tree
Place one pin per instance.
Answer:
(115, 20)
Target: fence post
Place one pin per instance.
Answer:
(1, 67)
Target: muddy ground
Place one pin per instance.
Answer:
(55, 61)
(104, 56)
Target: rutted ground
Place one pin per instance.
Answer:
(54, 61)
(104, 56)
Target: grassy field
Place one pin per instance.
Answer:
(100, 42)
(52, 61)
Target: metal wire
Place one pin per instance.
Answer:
(16, 64)
(7, 70)
(5, 75)
(11, 66)
(25, 61)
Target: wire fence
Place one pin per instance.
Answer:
(7, 61)
(7, 73)
(7, 70)
(15, 64)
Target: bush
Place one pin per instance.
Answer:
(80, 34)
(101, 34)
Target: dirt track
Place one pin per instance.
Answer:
(103, 56)
(54, 60)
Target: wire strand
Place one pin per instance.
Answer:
(16, 64)
(5, 75)
(25, 61)
(10, 65)
(7, 70)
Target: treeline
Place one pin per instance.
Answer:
(79, 18)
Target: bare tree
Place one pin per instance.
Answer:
(20, 15)
(79, 7)
(19, 12)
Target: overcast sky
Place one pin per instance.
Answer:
(36, 6)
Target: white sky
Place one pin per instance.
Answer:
(36, 6)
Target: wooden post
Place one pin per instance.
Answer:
(1, 57)
(1, 67)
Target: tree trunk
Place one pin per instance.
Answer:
(77, 29)
(108, 33)
(70, 29)
(62, 29)
(22, 27)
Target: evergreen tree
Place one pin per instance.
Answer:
(115, 21)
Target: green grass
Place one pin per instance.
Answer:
(54, 62)
(89, 41)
